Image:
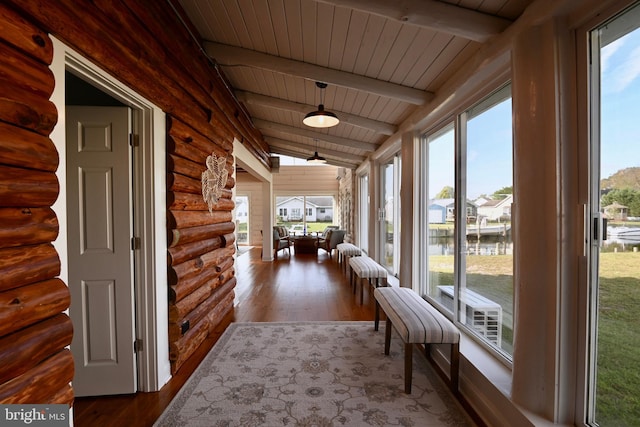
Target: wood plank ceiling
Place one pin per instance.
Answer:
(381, 60)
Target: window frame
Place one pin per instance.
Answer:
(458, 123)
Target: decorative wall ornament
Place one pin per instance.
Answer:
(214, 179)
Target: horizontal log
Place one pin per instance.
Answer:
(195, 266)
(183, 132)
(183, 184)
(216, 315)
(23, 265)
(225, 265)
(191, 234)
(202, 310)
(223, 278)
(185, 167)
(27, 226)
(228, 239)
(27, 188)
(178, 290)
(25, 72)
(24, 349)
(40, 383)
(23, 148)
(182, 349)
(27, 110)
(27, 305)
(226, 281)
(181, 253)
(186, 305)
(186, 219)
(186, 151)
(23, 35)
(195, 202)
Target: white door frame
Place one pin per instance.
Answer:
(154, 369)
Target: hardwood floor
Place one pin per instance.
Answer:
(295, 288)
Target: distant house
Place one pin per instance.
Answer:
(317, 209)
(442, 210)
(616, 211)
(495, 210)
(241, 210)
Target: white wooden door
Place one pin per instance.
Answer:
(99, 187)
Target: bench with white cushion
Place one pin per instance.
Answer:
(417, 322)
(363, 267)
(346, 251)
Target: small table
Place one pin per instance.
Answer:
(305, 245)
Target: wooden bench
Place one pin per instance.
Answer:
(364, 267)
(417, 322)
(345, 251)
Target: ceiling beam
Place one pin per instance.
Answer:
(310, 148)
(231, 55)
(444, 17)
(282, 104)
(263, 125)
(294, 153)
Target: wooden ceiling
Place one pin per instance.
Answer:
(381, 59)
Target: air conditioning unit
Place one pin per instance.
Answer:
(480, 313)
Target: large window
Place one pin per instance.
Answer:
(242, 219)
(465, 218)
(438, 211)
(363, 206)
(305, 213)
(390, 215)
(615, 197)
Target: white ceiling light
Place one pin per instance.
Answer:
(316, 159)
(321, 118)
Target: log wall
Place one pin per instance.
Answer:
(34, 331)
(145, 45)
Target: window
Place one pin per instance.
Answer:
(318, 211)
(614, 383)
(390, 215)
(438, 208)
(486, 260)
(242, 219)
(364, 206)
(469, 251)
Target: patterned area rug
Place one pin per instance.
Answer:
(311, 374)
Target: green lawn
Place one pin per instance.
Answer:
(618, 390)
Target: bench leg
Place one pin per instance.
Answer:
(387, 336)
(455, 366)
(408, 367)
(361, 291)
(376, 319)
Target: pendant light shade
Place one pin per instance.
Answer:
(321, 118)
(316, 159)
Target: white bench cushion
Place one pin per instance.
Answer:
(366, 268)
(348, 249)
(415, 320)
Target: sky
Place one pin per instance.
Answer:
(620, 92)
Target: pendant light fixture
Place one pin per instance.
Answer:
(321, 118)
(316, 159)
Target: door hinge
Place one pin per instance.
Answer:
(134, 140)
(135, 243)
(137, 345)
